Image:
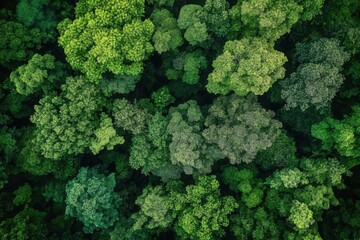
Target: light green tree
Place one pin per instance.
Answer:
(238, 128)
(246, 65)
(203, 212)
(41, 72)
(107, 37)
(341, 135)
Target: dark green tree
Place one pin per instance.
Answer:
(282, 153)
(91, 199)
(27, 224)
(42, 14)
(150, 150)
(188, 147)
(186, 67)
(22, 195)
(17, 42)
(247, 183)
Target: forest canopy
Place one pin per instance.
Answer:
(188, 119)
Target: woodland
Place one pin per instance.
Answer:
(186, 119)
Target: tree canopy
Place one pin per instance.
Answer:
(189, 119)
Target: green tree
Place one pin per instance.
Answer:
(341, 135)
(71, 121)
(321, 51)
(107, 37)
(255, 223)
(22, 195)
(156, 210)
(31, 160)
(42, 14)
(40, 73)
(186, 66)
(238, 128)
(215, 14)
(203, 212)
(105, 135)
(311, 85)
(311, 8)
(90, 198)
(268, 19)
(118, 84)
(27, 224)
(150, 150)
(162, 98)
(188, 147)
(167, 34)
(309, 188)
(317, 79)
(129, 116)
(246, 182)
(195, 30)
(282, 153)
(123, 231)
(246, 65)
(17, 42)
(301, 215)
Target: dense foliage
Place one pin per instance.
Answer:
(189, 119)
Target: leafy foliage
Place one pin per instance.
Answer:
(246, 65)
(27, 224)
(129, 116)
(17, 42)
(150, 150)
(318, 78)
(164, 119)
(187, 67)
(90, 197)
(167, 35)
(245, 181)
(238, 128)
(188, 147)
(269, 19)
(42, 14)
(41, 72)
(70, 122)
(22, 195)
(204, 213)
(342, 135)
(280, 154)
(155, 209)
(107, 37)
